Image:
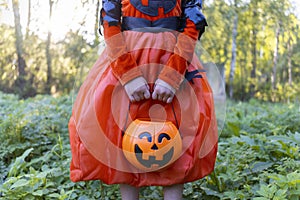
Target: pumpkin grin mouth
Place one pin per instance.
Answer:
(152, 160)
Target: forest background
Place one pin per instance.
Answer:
(46, 45)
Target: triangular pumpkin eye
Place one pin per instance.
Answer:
(162, 136)
(147, 135)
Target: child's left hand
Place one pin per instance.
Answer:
(163, 91)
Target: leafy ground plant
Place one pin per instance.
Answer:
(258, 155)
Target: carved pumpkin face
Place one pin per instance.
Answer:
(151, 146)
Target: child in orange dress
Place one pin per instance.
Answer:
(145, 68)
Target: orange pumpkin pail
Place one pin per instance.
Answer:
(151, 145)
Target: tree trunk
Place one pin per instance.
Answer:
(243, 81)
(275, 58)
(21, 81)
(28, 18)
(48, 53)
(233, 57)
(254, 53)
(97, 23)
(290, 53)
(254, 64)
(261, 52)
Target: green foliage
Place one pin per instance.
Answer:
(35, 152)
(71, 59)
(8, 70)
(73, 64)
(259, 146)
(255, 46)
(258, 154)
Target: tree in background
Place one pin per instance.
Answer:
(28, 19)
(20, 82)
(96, 27)
(235, 5)
(216, 39)
(48, 52)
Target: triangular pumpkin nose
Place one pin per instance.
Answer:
(154, 147)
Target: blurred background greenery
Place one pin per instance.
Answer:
(46, 45)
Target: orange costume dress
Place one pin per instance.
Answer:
(102, 110)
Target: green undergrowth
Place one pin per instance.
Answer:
(258, 155)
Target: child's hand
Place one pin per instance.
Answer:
(163, 91)
(140, 93)
(137, 89)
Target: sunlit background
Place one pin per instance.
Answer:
(67, 15)
(264, 63)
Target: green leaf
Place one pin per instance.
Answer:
(260, 198)
(282, 138)
(42, 175)
(18, 163)
(295, 192)
(248, 140)
(54, 195)
(83, 198)
(281, 193)
(211, 192)
(267, 191)
(20, 183)
(38, 193)
(261, 166)
(234, 128)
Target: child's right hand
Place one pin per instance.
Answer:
(137, 89)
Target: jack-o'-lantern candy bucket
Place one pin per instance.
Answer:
(151, 145)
